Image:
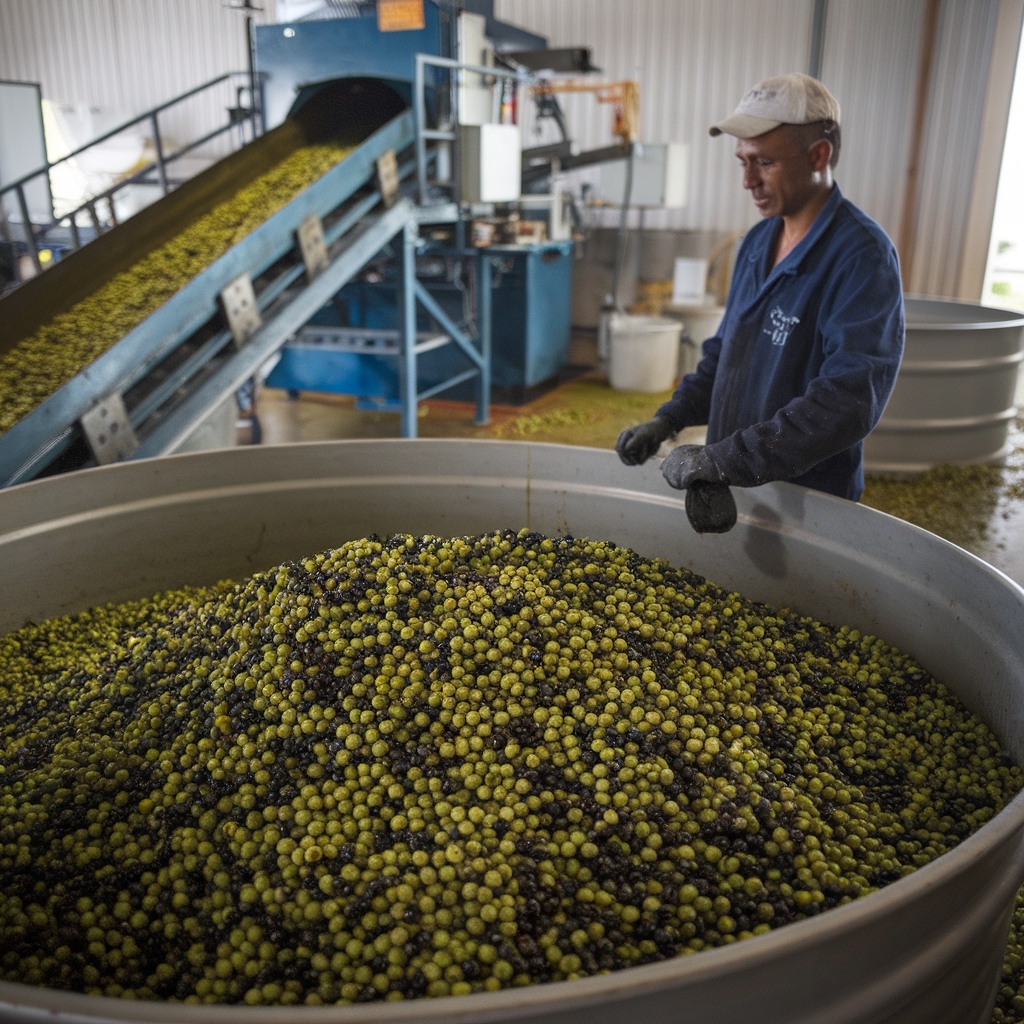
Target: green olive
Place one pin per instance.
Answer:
(429, 767)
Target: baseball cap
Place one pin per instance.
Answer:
(785, 99)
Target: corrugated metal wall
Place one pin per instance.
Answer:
(951, 133)
(125, 55)
(870, 62)
(694, 59)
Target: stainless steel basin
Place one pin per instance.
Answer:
(926, 949)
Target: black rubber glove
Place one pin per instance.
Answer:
(710, 507)
(691, 462)
(637, 444)
(709, 503)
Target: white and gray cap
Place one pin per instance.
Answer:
(785, 99)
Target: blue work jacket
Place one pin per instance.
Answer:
(805, 358)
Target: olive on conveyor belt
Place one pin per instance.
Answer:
(428, 767)
(40, 364)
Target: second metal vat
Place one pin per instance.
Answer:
(953, 399)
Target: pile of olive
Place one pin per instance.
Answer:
(426, 767)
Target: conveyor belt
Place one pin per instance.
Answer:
(180, 361)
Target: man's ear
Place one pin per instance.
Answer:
(820, 154)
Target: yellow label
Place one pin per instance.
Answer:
(400, 15)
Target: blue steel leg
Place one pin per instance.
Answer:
(483, 322)
(407, 303)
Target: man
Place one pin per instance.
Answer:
(805, 358)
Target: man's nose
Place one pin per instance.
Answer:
(751, 179)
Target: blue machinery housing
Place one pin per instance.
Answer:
(529, 332)
(347, 349)
(181, 362)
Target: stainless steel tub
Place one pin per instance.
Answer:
(926, 949)
(953, 400)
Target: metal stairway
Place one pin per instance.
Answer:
(243, 124)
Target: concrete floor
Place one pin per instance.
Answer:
(980, 508)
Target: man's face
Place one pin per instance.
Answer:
(781, 171)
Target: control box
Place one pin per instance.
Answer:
(661, 176)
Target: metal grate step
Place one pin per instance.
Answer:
(365, 340)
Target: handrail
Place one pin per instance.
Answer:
(252, 115)
(48, 166)
(138, 178)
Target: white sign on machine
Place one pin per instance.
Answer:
(490, 160)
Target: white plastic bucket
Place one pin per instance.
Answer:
(700, 321)
(644, 352)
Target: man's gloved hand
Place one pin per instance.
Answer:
(710, 507)
(709, 503)
(637, 444)
(691, 462)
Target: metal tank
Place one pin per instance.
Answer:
(953, 400)
(925, 950)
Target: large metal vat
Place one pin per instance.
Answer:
(953, 399)
(926, 949)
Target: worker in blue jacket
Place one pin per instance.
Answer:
(802, 365)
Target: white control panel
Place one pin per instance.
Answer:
(661, 176)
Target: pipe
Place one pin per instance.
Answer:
(908, 218)
(818, 20)
(620, 243)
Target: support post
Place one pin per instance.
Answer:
(250, 49)
(95, 218)
(161, 167)
(818, 20)
(908, 219)
(420, 112)
(407, 327)
(623, 236)
(483, 326)
(30, 232)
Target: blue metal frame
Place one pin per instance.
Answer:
(292, 57)
(483, 292)
(400, 222)
(269, 338)
(411, 293)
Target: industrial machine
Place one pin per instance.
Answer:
(352, 346)
(367, 282)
